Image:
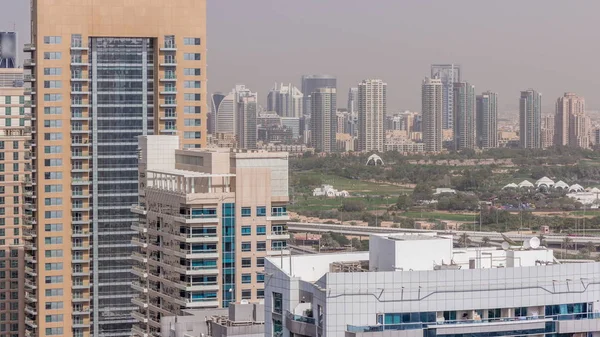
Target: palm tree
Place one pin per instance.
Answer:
(486, 241)
(464, 240)
(591, 247)
(567, 243)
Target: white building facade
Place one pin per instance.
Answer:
(441, 291)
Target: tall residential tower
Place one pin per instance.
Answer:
(530, 119)
(310, 83)
(432, 101)
(103, 73)
(570, 122)
(323, 119)
(372, 107)
(487, 120)
(464, 116)
(448, 74)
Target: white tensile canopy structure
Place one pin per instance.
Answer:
(525, 183)
(576, 188)
(513, 185)
(375, 160)
(545, 182)
(562, 185)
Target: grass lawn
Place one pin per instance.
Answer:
(439, 216)
(590, 212)
(358, 186)
(326, 204)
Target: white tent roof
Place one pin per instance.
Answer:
(561, 184)
(511, 185)
(525, 183)
(595, 190)
(576, 187)
(545, 181)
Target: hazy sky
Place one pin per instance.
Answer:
(504, 46)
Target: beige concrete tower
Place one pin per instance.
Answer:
(432, 99)
(103, 73)
(570, 108)
(372, 107)
(15, 197)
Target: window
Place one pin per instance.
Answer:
(261, 211)
(52, 56)
(53, 227)
(52, 84)
(53, 201)
(52, 110)
(53, 136)
(191, 135)
(54, 279)
(52, 123)
(52, 39)
(54, 331)
(277, 303)
(54, 266)
(246, 230)
(53, 175)
(246, 278)
(192, 71)
(191, 97)
(260, 261)
(15, 155)
(53, 240)
(54, 305)
(246, 262)
(260, 293)
(191, 41)
(52, 97)
(8, 111)
(52, 162)
(246, 246)
(54, 253)
(191, 122)
(53, 149)
(260, 278)
(246, 211)
(191, 109)
(246, 294)
(191, 56)
(52, 188)
(52, 71)
(261, 246)
(54, 318)
(191, 84)
(8, 122)
(261, 230)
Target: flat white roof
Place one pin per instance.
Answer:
(190, 174)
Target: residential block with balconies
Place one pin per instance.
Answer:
(207, 220)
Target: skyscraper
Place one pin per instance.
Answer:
(104, 73)
(210, 217)
(570, 109)
(8, 50)
(286, 100)
(487, 120)
(312, 82)
(464, 116)
(227, 109)
(16, 197)
(353, 101)
(448, 74)
(431, 112)
(530, 119)
(323, 119)
(547, 131)
(372, 107)
(246, 121)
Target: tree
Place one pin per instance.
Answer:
(486, 241)
(356, 244)
(567, 243)
(353, 205)
(422, 192)
(464, 240)
(404, 202)
(590, 246)
(328, 241)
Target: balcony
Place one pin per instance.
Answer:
(169, 130)
(80, 324)
(138, 332)
(199, 238)
(279, 216)
(30, 297)
(139, 316)
(78, 62)
(81, 311)
(80, 286)
(278, 236)
(139, 302)
(79, 104)
(138, 209)
(80, 195)
(141, 272)
(80, 130)
(30, 323)
(139, 257)
(78, 45)
(197, 219)
(79, 272)
(30, 285)
(82, 143)
(79, 246)
(168, 92)
(80, 181)
(198, 270)
(28, 91)
(169, 78)
(30, 310)
(169, 104)
(139, 242)
(28, 63)
(171, 116)
(80, 259)
(79, 78)
(301, 325)
(29, 47)
(168, 47)
(79, 233)
(198, 303)
(139, 287)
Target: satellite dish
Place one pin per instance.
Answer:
(534, 242)
(505, 245)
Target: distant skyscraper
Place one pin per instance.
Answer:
(530, 119)
(372, 107)
(353, 101)
(448, 74)
(547, 131)
(432, 98)
(8, 50)
(312, 82)
(246, 122)
(226, 116)
(286, 101)
(323, 119)
(570, 109)
(487, 120)
(464, 116)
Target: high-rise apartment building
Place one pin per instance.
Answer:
(211, 118)
(246, 122)
(487, 120)
(464, 116)
(323, 119)
(103, 73)
(570, 122)
(226, 108)
(548, 136)
(448, 74)
(353, 101)
(208, 220)
(372, 107)
(16, 197)
(530, 119)
(432, 98)
(286, 100)
(8, 50)
(310, 83)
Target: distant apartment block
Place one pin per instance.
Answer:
(323, 119)
(285, 100)
(448, 74)
(207, 221)
(310, 83)
(487, 120)
(464, 116)
(372, 108)
(530, 119)
(432, 114)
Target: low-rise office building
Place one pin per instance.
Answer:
(419, 285)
